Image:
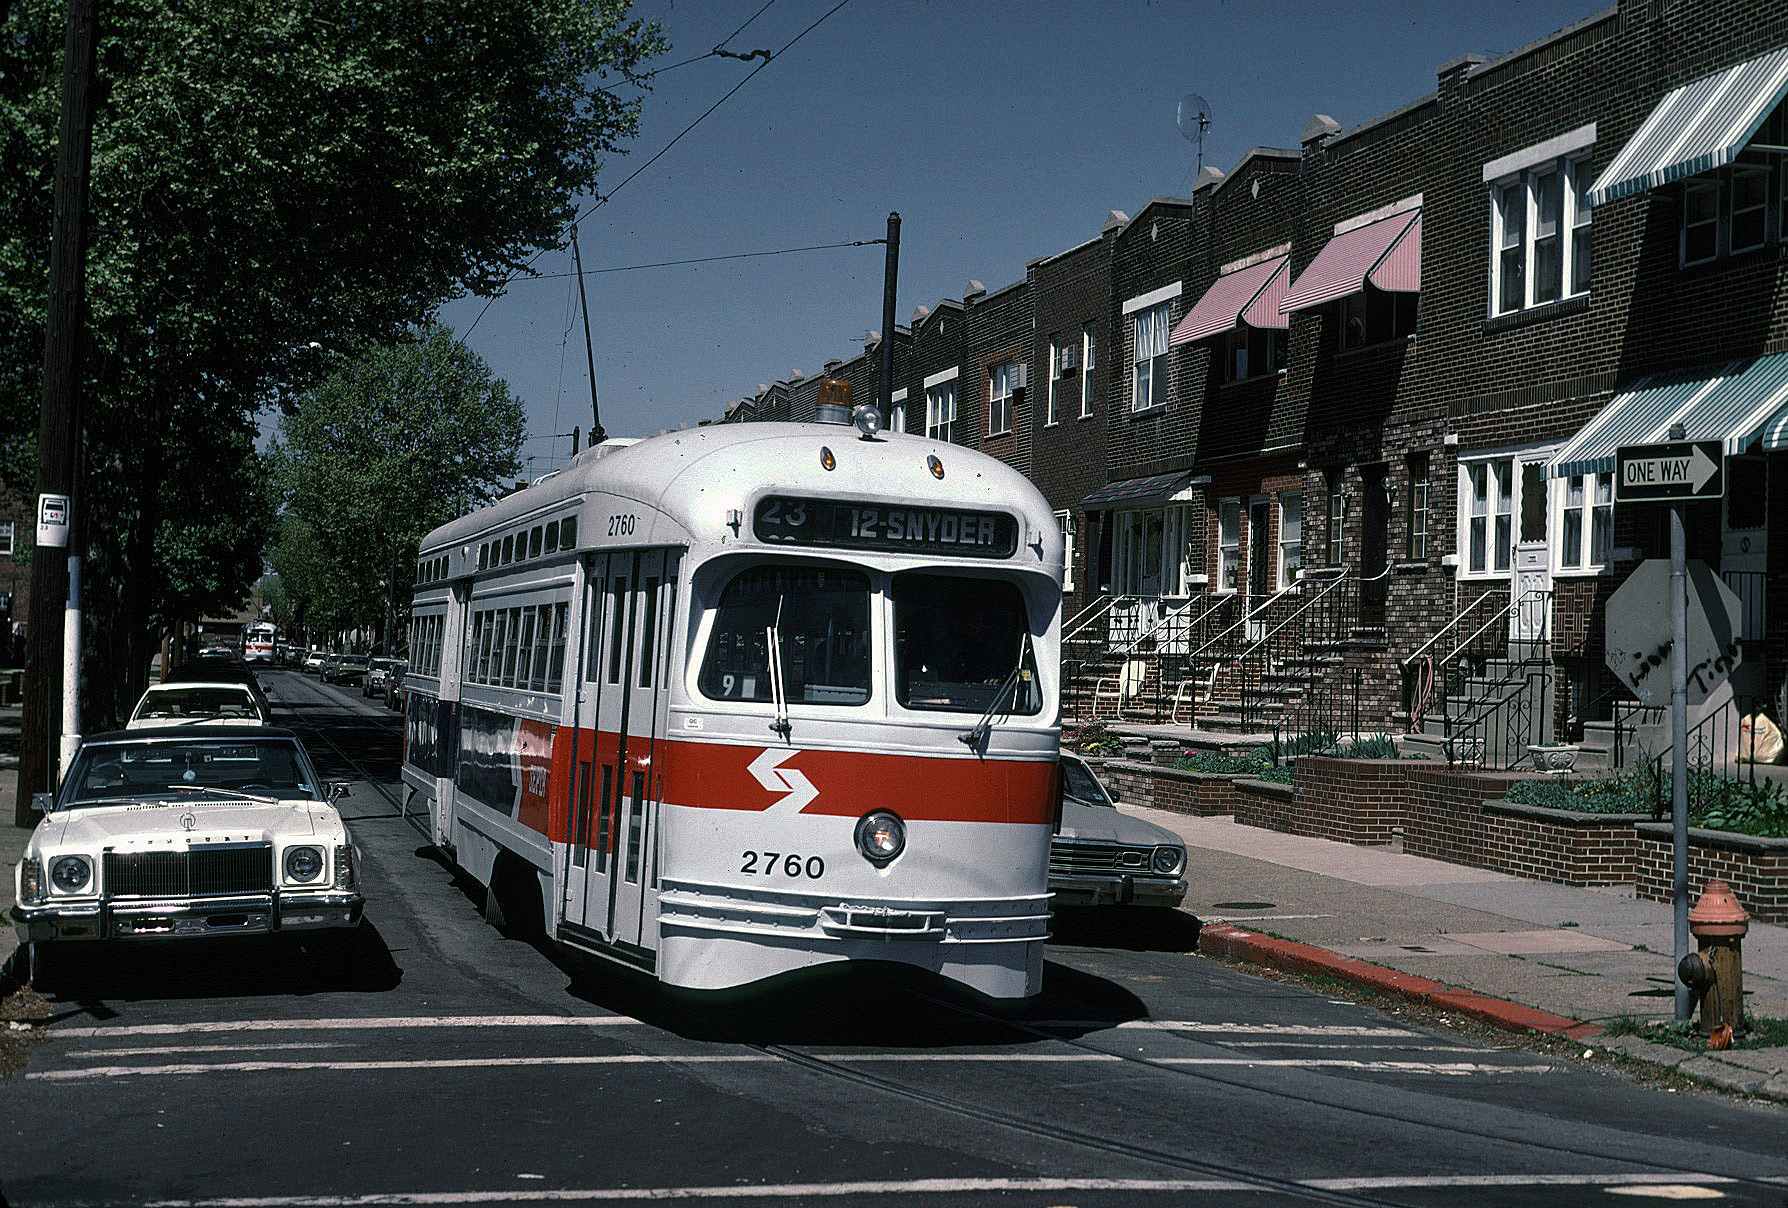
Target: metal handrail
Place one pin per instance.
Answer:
(1448, 628)
(1511, 606)
(1211, 602)
(1075, 625)
(1304, 608)
(1248, 615)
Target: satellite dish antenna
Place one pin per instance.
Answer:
(1195, 119)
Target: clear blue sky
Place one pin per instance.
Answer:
(1001, 130)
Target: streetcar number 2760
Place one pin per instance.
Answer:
(774, 863)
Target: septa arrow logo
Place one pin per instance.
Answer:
(1701, 469)
(797, 790)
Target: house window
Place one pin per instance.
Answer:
(1059, 354)
(1374, 316)
(1586, 522)
(1149, 378)
(940, 411)
(999, 404)
(1736, 209)
(1488, 491)
(1700, 220)
(1065, 519)
(1291, 535)
(1337, 517)
(1750, 207)
(1087, 336)
(1229, 544)
(1541, 234)
(897, 412)
(1252, 352)
(1418, 506)
(6, 536)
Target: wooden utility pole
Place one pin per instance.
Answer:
(58, 434)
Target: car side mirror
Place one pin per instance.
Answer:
(338, 789)
(42, 802)
(1111, 792)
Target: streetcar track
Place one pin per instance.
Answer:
(833, 1067)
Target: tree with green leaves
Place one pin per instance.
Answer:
(273, 182)
(400, 438)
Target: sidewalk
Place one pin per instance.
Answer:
(1522, 955)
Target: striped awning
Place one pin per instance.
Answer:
(1388, 253)
(1248, 295)
(1135, 492)
(1743, 403)
(1701, 126)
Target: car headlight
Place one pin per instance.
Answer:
(881, 836)
(30, 880)
(1167, 860)
(304, 864)
(71, 874)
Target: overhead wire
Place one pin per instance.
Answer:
(603, 199)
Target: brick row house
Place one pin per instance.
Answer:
(1342, 425)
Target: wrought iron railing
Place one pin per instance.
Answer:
(1325, 612)
(1722, 750)
(1441, 665)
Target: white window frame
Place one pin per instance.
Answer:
(1149, 329)
(1761, 209)
(1487, 490)
(1716, 185)
(1521, 224)
(1587, 546)
(1088, 346)
(1229, 545)
(897, 411)
(1419, 541)
(1052, 403)
(1291, 537)
(8, 536)
(940, 406)
(999, 398)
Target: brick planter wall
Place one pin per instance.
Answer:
(1757, 869)
(1184, 792)
(1443, 813)
(1349, 800)
(1565, 846)
(1266, 804)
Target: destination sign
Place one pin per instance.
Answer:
(849, 524)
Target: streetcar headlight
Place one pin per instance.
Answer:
(1167, 860)
(881, 836)
(304, 864)
(70, 874)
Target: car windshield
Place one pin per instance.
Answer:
(198, 702)
(1079, 783)
(199, 767)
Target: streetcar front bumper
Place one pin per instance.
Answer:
(181, 918)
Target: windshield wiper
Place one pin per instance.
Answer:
(978, 734)
(231, 794)
(778, 690)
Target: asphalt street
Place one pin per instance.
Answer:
(448, 1064)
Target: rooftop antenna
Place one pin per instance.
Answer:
(1195, 119)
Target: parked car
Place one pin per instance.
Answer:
(217, 671)
(190, 704)
(378, 671)
(1102, 856)
(314, 660)
(165, 835)
(343, 669)
(394, 685)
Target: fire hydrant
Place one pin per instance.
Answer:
(1717, 972)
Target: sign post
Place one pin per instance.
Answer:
(1676, 472)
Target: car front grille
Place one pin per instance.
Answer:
(201, 872)
(1069, 856)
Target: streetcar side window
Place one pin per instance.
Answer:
(648, 633)
(963, 645)
(534, 542)
(568, 532)
(555, 658)
(820, 616)
(617, 619)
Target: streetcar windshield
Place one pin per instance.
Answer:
(963, 645)
(820, 616)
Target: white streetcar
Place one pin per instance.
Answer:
(257, 641)
(750, 698)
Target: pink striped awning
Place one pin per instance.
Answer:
(1248, 295)
(1388, 253)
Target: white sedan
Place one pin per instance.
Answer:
(1103, 857)
(163, 835)
(190, 704)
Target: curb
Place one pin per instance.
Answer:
(1293, 957)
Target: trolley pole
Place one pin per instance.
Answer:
(890, 281)
(597, 435)
(59, 427)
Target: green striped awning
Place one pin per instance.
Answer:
(1701, 126)
(1744, 402)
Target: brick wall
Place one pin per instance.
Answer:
(1444, 816)
(1568, 848)
(1757, 869)
(1184, 792)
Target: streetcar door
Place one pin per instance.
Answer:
(635, 869)
(583, 881)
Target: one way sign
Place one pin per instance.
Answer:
(1684, 469)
